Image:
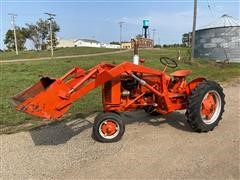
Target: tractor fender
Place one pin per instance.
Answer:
(192, 84)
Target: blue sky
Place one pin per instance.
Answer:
(99, 19)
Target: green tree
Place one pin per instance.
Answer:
(115, 42)
(32, 33)
(39, 33)
(9, 40)
(139, 36)
(186, 39)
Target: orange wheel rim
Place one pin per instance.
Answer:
(210, 107)
(109, 129)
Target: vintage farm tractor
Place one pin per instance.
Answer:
(126, 87)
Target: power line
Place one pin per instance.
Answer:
(13, 16)
(210, 8)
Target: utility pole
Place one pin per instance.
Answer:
(13, 16)
(50, 29)
(194, 29)
(120, 25)
(153, 30)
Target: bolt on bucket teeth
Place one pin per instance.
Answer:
(42, 98)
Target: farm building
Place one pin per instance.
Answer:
(126, 45)
(111, 46)
(219, 40)
(87, 43)
(143, 42)
(65, 43)
(84, 43)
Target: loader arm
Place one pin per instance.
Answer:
(55, 97)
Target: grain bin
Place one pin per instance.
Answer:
(220, 40)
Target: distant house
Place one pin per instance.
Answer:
(126, 45)
(87, 43)
(66, 43)
(110, 46)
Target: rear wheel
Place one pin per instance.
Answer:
(205, 106)
(108, 127)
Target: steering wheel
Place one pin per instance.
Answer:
(166, 61)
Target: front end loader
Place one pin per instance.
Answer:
(126, 87)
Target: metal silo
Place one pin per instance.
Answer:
(219, 40)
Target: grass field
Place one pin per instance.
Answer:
(58, 52)
(17, 76)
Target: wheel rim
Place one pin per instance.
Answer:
(109, 129)
(210, 107)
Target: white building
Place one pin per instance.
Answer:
(110, 46)
(85, 43)
(66, 43)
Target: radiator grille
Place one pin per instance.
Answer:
(107, 92)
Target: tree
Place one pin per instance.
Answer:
(21, 39)
(114, 42)
(39, 33)
(186, 39)
(139, 36)
(157, 46)
(32, 33)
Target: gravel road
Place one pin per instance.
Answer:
(152, 147)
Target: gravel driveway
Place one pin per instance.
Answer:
(152, 147)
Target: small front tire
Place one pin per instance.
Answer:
(108, 127)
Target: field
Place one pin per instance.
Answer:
(17, 76)
(58, 52)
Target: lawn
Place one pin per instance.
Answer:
(17, 76)
(57, 52)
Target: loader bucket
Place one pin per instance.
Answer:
(32, 91)
(42, 98)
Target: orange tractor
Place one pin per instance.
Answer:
(126, 87)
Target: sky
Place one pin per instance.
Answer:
(99, 19)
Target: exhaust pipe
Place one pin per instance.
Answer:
(135, 52)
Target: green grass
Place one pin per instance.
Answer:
(57, 52)
(17, 76)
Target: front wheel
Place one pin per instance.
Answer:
(108, 127)
(205, 106)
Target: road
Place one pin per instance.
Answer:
(63, 57)
(152, 147)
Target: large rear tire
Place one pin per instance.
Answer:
(108, 127)
(205, 106)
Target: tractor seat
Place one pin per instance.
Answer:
(181, 73)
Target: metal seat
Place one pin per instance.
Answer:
(181, 73)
